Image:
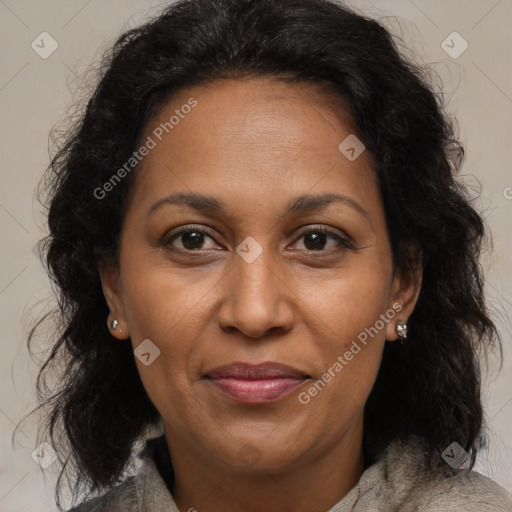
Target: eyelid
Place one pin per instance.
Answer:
(342, 238)
(167, 238)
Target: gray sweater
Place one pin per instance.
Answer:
(398, 482)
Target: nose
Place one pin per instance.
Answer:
(257, 298)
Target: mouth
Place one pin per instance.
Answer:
(256, 384)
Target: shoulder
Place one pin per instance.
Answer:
(122, 497)
(469, 491)
(144, 491)
(423, 491)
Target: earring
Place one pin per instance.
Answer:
(113, 325)
(401, 330)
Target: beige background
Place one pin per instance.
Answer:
(35, 93)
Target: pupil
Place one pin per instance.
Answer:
(313, 241)
(318, 241)
(193, 236)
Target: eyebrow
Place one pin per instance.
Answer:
(302, 204)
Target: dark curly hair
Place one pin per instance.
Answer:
(430, 386)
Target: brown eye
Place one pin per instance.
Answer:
(315, 241)
(191, 239)
(318, 238)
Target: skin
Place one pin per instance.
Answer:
(255, 145)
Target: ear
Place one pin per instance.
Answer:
(110, 282)
(405, 290)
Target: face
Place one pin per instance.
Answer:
(259, 272)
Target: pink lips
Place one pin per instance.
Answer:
(255, 384)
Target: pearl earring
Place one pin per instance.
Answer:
(113, 325)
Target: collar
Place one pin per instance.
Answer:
(398, 481)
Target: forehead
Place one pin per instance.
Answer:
(259, 111)
(252, 140)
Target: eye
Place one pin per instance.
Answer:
(316, 238)
(191, 238)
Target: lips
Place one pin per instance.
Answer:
(254, 384)
(261, 371)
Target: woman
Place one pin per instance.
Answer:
(260, 247)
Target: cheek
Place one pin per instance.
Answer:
(349, 301)
(159, 300)
(166, 307)
(351, 359)
(162, 308)
(354, 311)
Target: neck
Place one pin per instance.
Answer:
(316, 484)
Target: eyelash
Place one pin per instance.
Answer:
(345, 242)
